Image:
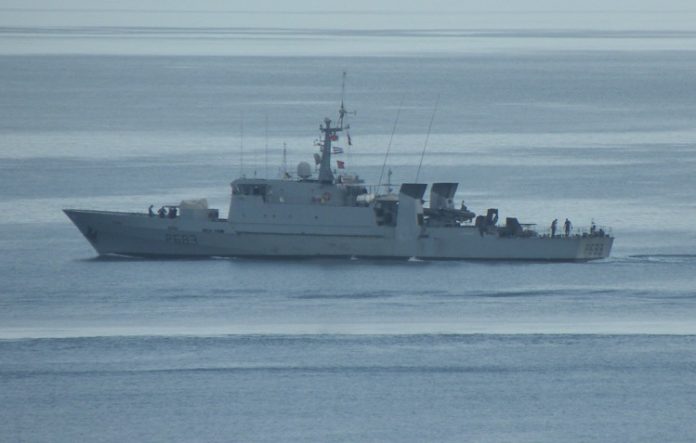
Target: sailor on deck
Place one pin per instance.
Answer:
(554, 224)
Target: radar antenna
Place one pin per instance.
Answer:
(342, 110)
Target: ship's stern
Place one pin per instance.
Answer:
(595, 247)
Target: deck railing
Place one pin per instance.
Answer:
(578, 231)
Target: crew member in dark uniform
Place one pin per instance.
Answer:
(554, 224)
(567, 225)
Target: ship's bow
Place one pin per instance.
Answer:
(91, 224)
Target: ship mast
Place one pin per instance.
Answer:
(325, 172)
(330, 135)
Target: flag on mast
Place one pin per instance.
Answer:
(340, 164)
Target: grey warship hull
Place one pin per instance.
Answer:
(138, 235)
(332, 215)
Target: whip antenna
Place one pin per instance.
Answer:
(241, 144)
(391, 138)
(427, 137)
(265, 172)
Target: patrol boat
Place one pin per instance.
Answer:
(331, 215)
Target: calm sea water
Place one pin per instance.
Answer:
(245, 350)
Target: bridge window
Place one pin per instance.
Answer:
(250, 189)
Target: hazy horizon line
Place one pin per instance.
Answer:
(356, 12)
